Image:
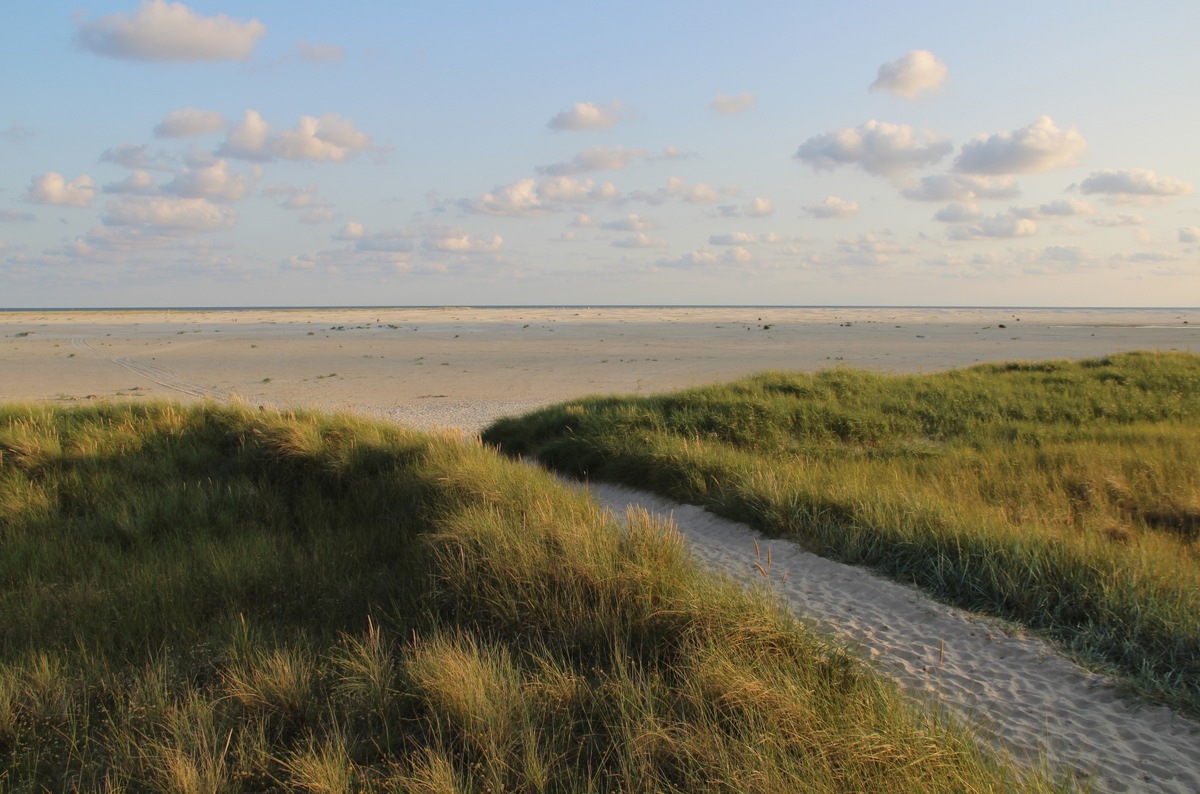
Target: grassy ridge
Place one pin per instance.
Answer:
(216, 599)
(1064, 495)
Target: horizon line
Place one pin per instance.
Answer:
(307, 307)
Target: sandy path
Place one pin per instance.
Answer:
(1021, 693)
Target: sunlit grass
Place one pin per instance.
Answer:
(1064, 495)
(218, 599)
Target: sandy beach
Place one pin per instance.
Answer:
(463, 368)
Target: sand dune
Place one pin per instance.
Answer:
(464, 368)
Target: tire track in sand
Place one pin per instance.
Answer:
(151, 372)
(1022, 695)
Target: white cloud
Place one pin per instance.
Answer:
(380, 261)
(1054, 259)
(1133, 184)
(1069, 254)
(168, 213)
(832, 207)
(759, 208)
(314, 209)
(958, 212)
(652, 197)
(13, 216)
(586, 116)
(730, 258)
(133, 155)
(1040, 147)
(583, 221)
(911, 75)
(304, 263)
(214, 181)
(143, 249)
(53, 189)
(528, 198)
(330, 138)
(698, 193)
(692, 259)
(1189, 234)
(162, 31)
(631, 223)
(1061, 208)
(640, 240)
(295, 198)
(453, 240)
(320, 53)
(189, 121)
(734, 238)
(877, 147)
(84, 248)
(573, 191)
(351, 231)
(1002, 226)
(730, 105)
(737, 256)
(137, 183)
(391, 241)
(518, 200)
(597, 158)
(869, 249)
(961, 187)
(249, 139)
(947, 262)
(606, 158)
(1146, 257)
(734, 258)
(1115, 221)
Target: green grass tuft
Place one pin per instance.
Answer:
(1063, 495)
(219, 599)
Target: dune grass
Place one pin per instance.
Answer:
(1062, 495)
(215, 599)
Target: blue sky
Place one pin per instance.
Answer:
(308, 153)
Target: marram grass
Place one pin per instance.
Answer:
(1062, 495)
(216, 599)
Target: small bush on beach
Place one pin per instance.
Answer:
(1063, 495)
(219, 599)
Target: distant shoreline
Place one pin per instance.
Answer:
(568, 306)
(463, 367)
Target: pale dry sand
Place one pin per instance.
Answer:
(464, 368)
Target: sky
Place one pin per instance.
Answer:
(297, 153)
